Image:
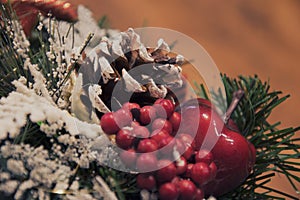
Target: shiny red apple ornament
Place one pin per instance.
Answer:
(232, 153)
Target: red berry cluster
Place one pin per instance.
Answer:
(181, 179)
(149, 136)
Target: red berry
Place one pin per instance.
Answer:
(188, 171)
(158, 135)
(147, 114)
(140, 132)
(162, 124)
(146, 181)
(160, 111)
(200, 173)
(204, 156)
(164, 108)
(199, 195)
(213, 170)
(129, 106)
(133, 108)
(181, 165)
(187, 189)
(175, 120)
(123, 117)
(124, 139)
(147, 145)
(108, 123)
(166, 146)
(168, 191)
(146, 162)
(166, 172)
(176, 180)
(128, 158)
(135, 123)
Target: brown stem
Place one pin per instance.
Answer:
(237, 96)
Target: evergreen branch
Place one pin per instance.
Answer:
(124, 184)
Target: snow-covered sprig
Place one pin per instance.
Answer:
(24, 102)
(39, 136)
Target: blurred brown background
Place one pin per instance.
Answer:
(242, 37)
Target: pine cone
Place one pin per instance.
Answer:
(124, 67)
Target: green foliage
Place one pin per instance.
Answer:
(11, 67)
(103, 22)
(277, 148)
(124, 184)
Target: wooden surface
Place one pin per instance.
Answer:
(242, 37)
